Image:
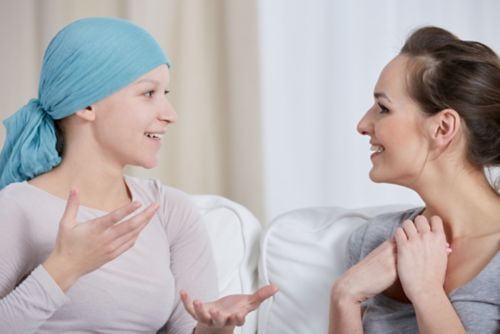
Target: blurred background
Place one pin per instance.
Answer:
(268, 92)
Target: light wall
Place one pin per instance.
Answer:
(320, 60)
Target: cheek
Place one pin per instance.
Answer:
(115, 131)
(410, 152)
(126, 119)
(402, 139)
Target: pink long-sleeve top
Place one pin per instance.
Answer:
(138, 292)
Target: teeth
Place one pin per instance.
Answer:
(154, 135)
(376, 148)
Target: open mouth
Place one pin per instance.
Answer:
(376, 149)
(156, 136)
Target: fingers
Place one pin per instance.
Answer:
(409, 228)
(71, 209)
(115, 216)
(202, 313)
(262, 294)
(188, 303)
(220, 314)
(400, 237)
(437, 224)
(125, 234)
(237, 319)
(196, 309)
(136, 222)
(229, 310)
(219, 318)
(422, 225)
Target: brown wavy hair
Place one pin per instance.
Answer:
(446, 72)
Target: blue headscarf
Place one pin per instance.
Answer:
(85, 62)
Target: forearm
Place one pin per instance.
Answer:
(30, 304)
(435, 314)
(345, 314)
(201, 329)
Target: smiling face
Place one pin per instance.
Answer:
(396, 127)
(129, 125)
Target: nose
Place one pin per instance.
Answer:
(364, 124)
(168, 113)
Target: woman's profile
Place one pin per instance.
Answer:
(434, 128)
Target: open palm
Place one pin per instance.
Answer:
(228, 311)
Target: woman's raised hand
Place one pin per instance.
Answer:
(227, 312)
(84, 247)
(422, 255)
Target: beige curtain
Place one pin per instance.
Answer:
(215, 147)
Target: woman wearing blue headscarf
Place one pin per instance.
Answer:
(101, 106)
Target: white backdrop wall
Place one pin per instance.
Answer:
(320, 60)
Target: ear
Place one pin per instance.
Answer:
(445, 127)
(87, 114)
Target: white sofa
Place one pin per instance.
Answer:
(301, 251)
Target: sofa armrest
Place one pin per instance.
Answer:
(303, 252)
(234, 232)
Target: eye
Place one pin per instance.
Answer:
(149, 93)
(383, 109)
(166, 92)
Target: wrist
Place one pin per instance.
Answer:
(342, 293)
(61, 271)
(426, 296)
(203, 329)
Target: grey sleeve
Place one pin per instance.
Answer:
(24, 304)
(369, 236)
(355, 244)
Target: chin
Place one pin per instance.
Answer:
(146, 164)
(149, 165)
(376, 177)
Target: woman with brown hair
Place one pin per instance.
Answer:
(434, 128)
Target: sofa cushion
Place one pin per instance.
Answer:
(303, 252)
(234, 233)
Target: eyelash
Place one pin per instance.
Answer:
(383, 109)
(150, 93)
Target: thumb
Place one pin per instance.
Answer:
(262, 294)
(69, 216)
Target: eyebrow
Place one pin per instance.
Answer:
(381, 95)
(155, 82)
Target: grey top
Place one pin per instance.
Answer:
(477, 303)
(138, 292)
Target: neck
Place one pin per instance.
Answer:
(100, 183)
(464, 200)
